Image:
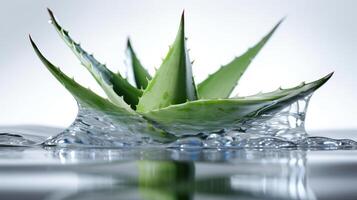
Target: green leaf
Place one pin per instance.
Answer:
(112, 84)
(141, 75)
(81, 94)
(210, 115)
(221, 83)
(173, 82)
(123, 115)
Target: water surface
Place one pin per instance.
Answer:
(53, 173)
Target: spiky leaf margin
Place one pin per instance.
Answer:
(221, 83)
(126, 118)
(211, 115)
(114, 85)
(173, 82)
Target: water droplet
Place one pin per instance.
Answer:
(187, 143)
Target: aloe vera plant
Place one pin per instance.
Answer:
(168, 104)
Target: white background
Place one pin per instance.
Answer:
(316, 38)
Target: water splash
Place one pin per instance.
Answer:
(284, 128)
(92, 128)
(11, 139)
(275, 129)
(270, 129)
(23, 135)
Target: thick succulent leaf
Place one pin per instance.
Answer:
(284, 97)
(124, 116)
(210, 115)
(173, 82)
(113, 84)
(141, 75)
(81, 94)
(221, 83)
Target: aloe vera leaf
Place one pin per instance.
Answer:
(221, 83)
(141, 75)
(122, 115)
(112, 84)
(280, 92)
(288, 96)
(211, 115)
(173, 82)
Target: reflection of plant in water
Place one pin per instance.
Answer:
(251, 174)
(166, 180)
(275, 178)
(170, 102)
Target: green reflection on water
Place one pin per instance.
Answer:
(166, 180)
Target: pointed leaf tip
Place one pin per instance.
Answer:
(100, 72)
(221, 83)
(49, 11)
(182, 23)
(281, 20)
(38, 52)
(128, 42)
(173, 82)
(30, 38)
(33, 43)
(275, 27)
(54, 21)
(141, 75)
(326, 78)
